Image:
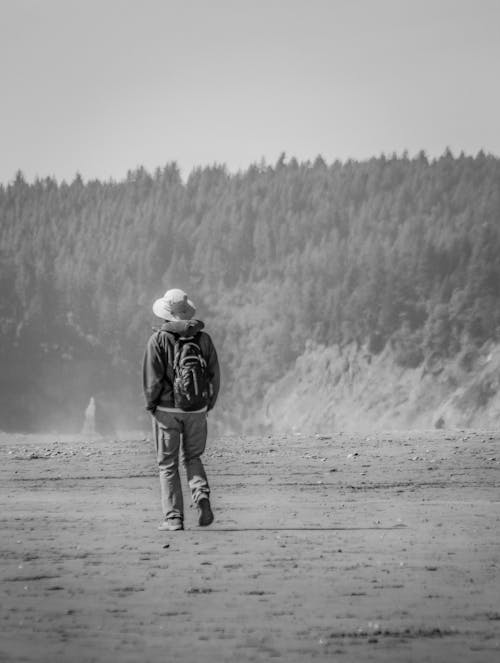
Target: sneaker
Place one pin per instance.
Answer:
(206, 517)
(171, 524)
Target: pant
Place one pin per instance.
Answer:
(168, 429)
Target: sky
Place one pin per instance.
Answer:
(101, 87)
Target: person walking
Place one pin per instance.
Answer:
(181, 380)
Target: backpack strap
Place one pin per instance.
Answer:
(177, 353)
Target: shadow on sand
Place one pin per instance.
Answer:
(299, 529)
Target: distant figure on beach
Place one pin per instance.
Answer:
(181, 381)
(89, 421)
(97, 420)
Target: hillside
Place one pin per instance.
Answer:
(331, 390)
(391, 252)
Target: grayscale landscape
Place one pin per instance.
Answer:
(311, 189)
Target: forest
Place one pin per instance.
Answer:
(393, 250)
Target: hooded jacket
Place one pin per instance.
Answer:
(158, 372)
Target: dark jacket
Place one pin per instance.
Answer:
(158, 373)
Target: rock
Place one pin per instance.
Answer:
(439, 424)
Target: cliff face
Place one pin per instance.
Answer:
(330, 389)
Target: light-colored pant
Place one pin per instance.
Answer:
(173, 431)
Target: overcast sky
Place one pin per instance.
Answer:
(103, 86)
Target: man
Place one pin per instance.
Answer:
(180, 418)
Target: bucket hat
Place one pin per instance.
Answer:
(174, 305)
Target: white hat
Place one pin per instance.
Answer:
(174, 305)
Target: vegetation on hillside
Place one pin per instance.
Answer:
(392, 249)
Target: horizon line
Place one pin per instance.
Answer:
(262, 164)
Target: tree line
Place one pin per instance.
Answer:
(393, 250)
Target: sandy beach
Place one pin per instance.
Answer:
(333, 547)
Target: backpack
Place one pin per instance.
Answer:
(191, 383)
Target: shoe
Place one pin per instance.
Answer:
(206, 516)
(171, 525)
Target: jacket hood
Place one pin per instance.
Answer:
(186, 328)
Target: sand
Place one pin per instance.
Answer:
(325, 548)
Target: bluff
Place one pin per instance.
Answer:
(330, 388)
